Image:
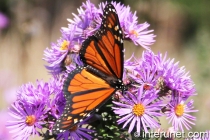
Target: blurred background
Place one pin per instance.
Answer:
(27, 27)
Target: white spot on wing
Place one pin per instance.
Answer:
(121, 41)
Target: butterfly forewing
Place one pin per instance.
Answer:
(104, 50)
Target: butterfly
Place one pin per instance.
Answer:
(87, 88)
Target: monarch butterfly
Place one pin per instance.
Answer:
(88, 88)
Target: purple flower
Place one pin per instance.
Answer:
(77, 132)
(27, 119)
(130, 65)
(57, 104)
(63, 53)
(50, 94)
(145, 76)
(4, 21)
(179, 115)
(138, 33)
(170, 75)
(85, 23)
(162, 75)
(34, 95)
(139, 110)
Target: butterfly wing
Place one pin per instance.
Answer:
(84, 92)
(104, 49)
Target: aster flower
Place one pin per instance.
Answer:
(140, 111)
(77, 132)
(179, 115)
(170, 75)
(54, 109)
(27, 119)
(139, 34)
(57, 104)
(129, 64)
(57, 101)
(176, 78)
(58, 55)
(83, 27)
(145, 76)
(129, 67)
(34, 95)
(85, 23)
(48, 94)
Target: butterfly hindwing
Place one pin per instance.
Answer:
(104, 49)
(84, 92)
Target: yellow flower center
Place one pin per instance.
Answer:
(30, 120)
(134, 33)
(179, 110)
(138, 109)
(64, 45)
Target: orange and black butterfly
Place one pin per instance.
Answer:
(88, 88)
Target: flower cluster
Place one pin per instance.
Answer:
(155, 86)
(156, 80)
(64, 54)
(35, 107)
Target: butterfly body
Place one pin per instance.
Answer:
(87, 88)
(112, 81)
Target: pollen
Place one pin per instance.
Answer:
(179, 110)
(30, 120)
(134, 33)
(138, 109)
(64, 45)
